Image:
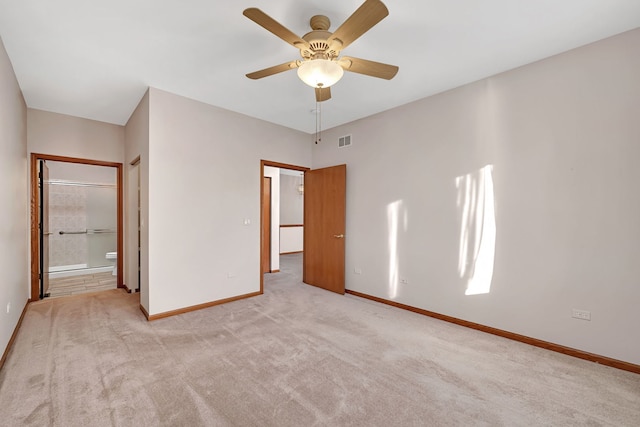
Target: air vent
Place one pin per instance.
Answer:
(344, 141)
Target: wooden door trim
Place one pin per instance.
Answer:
(43, 211)
(265, 229)
(264, 163)
(34, 207)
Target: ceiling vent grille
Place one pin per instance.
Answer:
(344, 141)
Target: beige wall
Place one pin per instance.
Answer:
(204, 181)
(14, 229)
(561, 137)
(62, 135)
(291, 201)
(137, 146)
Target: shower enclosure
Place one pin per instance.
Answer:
(82, 218)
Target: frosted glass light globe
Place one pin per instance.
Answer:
(320, 72)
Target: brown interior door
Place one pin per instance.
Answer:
(44, 229)
(324, 227)
(266, 225)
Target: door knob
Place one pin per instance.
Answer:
(339, 236)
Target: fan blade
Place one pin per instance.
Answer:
(366, 16)
(369, 68)
(274, 70)
(322, 94)
(273, 26)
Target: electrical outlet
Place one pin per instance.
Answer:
(8, 307)
(357, 270)
(581, 314)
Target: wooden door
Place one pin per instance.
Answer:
(266, 225)
(324, 227)
(44, 229)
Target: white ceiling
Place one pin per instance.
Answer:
(95, 58)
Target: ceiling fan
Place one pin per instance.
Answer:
(321, 65)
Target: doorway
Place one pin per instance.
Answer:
(324, 223)
(270, 219)
(95, 240)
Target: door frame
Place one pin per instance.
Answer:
(43, 227)
(133, 227)
(264, 163)
(35, 206)
(265, 225)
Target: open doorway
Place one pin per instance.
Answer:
(281, 214)
(85, 244)
(324, 221)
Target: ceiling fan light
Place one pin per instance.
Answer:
(320, 72)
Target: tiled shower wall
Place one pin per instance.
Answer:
(67, 212)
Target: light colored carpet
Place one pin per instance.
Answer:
(295, 356)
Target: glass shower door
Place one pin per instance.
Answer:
(101, 224)
(83, 218)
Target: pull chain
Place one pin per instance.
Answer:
(318, 122)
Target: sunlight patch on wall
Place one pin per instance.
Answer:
(395, 214)
(476, 208)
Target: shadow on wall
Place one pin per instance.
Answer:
(476, 210)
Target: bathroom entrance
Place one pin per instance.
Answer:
(76, 226)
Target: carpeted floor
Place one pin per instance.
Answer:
(295, 356)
